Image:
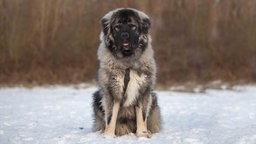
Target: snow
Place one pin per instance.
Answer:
(63, 115)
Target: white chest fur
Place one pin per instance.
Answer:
(132, 91)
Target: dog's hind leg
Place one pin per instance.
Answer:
(111, 120)
(154, 118)
(99, 124)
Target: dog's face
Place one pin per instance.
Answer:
(126, 32)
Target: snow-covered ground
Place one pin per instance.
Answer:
(63, 115)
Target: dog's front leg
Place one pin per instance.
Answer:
(142, 130)
(111, 120)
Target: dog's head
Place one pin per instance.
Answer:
(125, 32)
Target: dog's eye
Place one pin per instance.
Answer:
(117, 28)
(133, 27)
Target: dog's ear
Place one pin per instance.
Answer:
(105, 25)
(145, 25)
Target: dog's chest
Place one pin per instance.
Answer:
(132, 85)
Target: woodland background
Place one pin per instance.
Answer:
(55, 41)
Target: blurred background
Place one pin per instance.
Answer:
(55, 41)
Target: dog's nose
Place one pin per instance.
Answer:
(125, 35)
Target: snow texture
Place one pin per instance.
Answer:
(63, 115)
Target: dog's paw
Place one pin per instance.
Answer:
(146, 134)
(109, 134)
(106, 136)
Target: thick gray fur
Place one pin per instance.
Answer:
(138, 90)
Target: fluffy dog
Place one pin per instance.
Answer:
(125, 102)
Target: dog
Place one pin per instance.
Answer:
(125, 102)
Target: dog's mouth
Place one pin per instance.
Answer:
(125, 44)
(126, 50)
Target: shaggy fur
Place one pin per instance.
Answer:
(125, 102)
